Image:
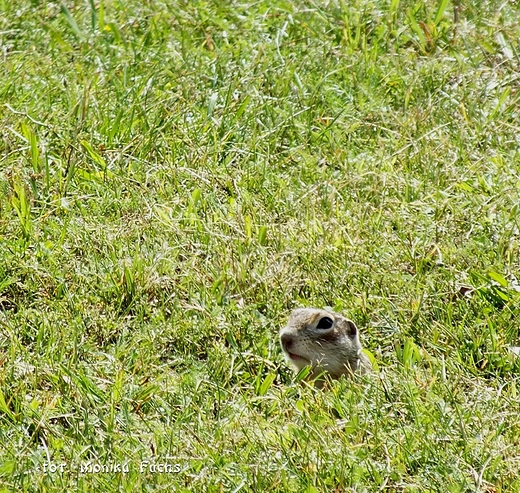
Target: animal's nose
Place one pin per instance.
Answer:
(287, 341)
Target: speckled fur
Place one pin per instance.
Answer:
(335, 350)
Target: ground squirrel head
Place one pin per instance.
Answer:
(326, 341)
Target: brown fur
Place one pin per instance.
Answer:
(326, 341)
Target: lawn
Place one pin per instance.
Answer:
(177, 176)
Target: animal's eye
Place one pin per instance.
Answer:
(325, 323)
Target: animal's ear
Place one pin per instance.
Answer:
(352, 329)
(325, 323)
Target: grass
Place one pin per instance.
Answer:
(175, 177)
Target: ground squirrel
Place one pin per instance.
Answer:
(325, 340)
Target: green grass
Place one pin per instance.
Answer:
(175, 177)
